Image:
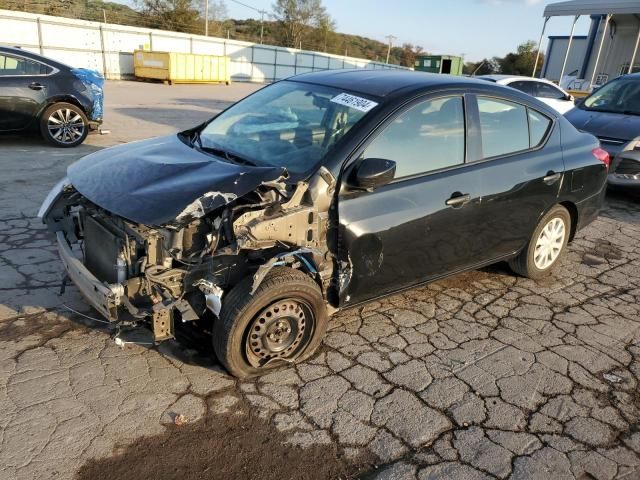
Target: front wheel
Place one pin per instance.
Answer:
(283, 322)
(548, 242)
(64, 125)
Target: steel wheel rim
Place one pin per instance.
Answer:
(65, 125)
(279, 333)
(549, 243)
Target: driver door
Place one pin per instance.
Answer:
(411, 229)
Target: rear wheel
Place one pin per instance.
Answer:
(64, 125)
(283, 322)
(546, 245)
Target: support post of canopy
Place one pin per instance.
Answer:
(535, 65)
(604, 34)
(635, 52)
(566, 55)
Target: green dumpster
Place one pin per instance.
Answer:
(447, 64)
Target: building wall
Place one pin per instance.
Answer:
(556, 51)
(617, 50)
(108, 48)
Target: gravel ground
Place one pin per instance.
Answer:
(482, 375)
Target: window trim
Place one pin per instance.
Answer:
(540, 146)
(358, 152)
(53, 71)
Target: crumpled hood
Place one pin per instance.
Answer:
(162, 180)
(603, 124)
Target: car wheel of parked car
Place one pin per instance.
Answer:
(547, 244)
(64, 125)
(282, 322)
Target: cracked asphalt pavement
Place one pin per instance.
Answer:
(482, 375)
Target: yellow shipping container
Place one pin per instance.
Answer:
(176, 67)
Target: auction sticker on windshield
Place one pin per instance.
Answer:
(352, 101)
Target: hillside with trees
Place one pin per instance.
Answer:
(302, 24)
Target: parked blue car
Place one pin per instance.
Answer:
(612, 113)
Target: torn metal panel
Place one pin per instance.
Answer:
(206, 203)
(153, 181)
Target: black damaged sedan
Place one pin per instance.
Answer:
(319, 193)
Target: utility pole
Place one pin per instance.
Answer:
(391, 38)
(206, 18)
(104, 15)
(262, 12)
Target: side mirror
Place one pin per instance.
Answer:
(372, 172)
(570, 98)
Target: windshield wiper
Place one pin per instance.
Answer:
(226, 154)
(195, 139)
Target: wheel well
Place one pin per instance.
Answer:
(53, 101)
(573, 213)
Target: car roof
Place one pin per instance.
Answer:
(380, 83)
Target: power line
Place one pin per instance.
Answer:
(261, 12)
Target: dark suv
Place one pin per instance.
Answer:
(37, 93)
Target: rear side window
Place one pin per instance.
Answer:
(12, 66)
(549, 91)
(527, 87)
(538, 126)
(503, 127)
(426, 137)
(508, 127)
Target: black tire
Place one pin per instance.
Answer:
(76, 131)
(525, 264)
(242, 313)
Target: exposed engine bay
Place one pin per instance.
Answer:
(180, 271)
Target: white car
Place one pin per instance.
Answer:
(542, 89)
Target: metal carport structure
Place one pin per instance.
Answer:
(598, 10)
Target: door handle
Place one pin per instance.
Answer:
(551, 177)
(36, 86)
(458, 199)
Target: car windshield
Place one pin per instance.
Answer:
(288, 124)
(618, 96)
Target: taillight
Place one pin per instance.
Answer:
(602, 155)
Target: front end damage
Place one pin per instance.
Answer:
(180, 271)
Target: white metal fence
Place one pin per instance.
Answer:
(109, 48)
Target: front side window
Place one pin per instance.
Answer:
(503, 127)
(618, 96)
(11, 66)
(428, 136)
(289, 124)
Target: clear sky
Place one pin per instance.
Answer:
(477, 28)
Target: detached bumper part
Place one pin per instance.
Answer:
(108, 298)
(104, 298)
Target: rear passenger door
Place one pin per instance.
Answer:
(23, 84)
(520, 170)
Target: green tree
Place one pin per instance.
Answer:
(487, 66)
(298, 17)
(176, 15)
(520, 62)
